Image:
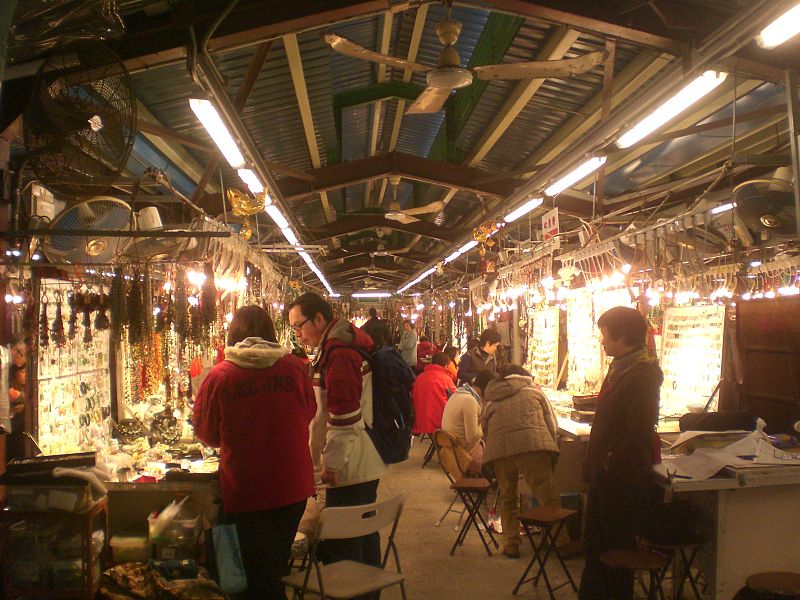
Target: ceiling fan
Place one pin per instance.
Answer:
(395, 213)
(449, 75)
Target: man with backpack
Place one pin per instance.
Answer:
(345, 457)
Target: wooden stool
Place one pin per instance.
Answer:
(551, 520)
(472, 492)
(776, 585)
(636, 559)
(686, 551)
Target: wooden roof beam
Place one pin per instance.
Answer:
(356, 223)
(408, 166)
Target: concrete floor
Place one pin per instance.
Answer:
(424, 548)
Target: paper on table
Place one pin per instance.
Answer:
(767, 454)
(703, 463)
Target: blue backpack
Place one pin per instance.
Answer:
(392, 405)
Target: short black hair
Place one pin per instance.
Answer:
(483, 378)
(472, 343)
(424, 338)
(312, 304)
(251, 321)
(373, 313)
(512, 369)
(451, 352)
(625, 324)
(488, 336)
(441, 359)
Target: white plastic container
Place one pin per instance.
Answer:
(130, 548)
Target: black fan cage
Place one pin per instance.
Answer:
(80, 123)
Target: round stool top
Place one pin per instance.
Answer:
(787, 584)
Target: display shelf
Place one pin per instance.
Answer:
(87, 519)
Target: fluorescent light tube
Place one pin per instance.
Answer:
(722, 208)
(251, 179)
(781, 29)
(584, 170)
(426, 273)
(289, 235)
(209, 117)
(468, 246)
(690, 94)
(452, 257)
(277, 216)
(372, 295)
(523, 210)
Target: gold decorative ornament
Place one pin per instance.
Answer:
(246, 231)
(244, 205)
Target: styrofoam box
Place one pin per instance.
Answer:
(130, 548)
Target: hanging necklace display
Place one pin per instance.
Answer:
(180, 306)
(101, 321)
(44, 333)
(87, 323)
(136, 321)
(208, 299)
(73, 315)
(57, 332)
(165, 426)
(119, 305)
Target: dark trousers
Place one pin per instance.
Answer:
(613, 519)
(265, 539)
(366, 549)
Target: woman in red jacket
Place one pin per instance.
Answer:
(431, 390)
(256, 406)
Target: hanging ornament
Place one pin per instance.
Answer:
(57, 333)
(483, 234)
(119, 305)
(246, 231)
(44, 333)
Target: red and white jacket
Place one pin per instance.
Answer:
(256, 407)
(343, 388)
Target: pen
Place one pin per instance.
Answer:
(676, 476)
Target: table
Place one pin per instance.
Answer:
(749, 516)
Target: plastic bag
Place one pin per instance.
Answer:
(165, 517)
(230, 568)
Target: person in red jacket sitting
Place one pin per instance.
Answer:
(432, 388)
(425, 350)
(256, 407)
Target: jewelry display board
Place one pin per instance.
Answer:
(74, 399)
(691, 356)
(542, 355)
(588, 363)
(584, 367)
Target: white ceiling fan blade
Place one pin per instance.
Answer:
(344, 46)
(428, 208)
(431, 100)
(542, 69)
(401, 217)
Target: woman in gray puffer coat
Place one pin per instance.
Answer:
(521, 436)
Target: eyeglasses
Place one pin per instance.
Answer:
(298, 326)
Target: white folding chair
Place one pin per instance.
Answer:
(349, 579)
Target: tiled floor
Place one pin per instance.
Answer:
(424, 548)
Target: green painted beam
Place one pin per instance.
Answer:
(366, 95)
(496, 38)
(378, 91)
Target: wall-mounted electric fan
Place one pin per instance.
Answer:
(66, 244)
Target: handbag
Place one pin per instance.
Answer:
(230, 568)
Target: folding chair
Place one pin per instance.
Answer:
(346, 578)
(431, 449)
(471, 490)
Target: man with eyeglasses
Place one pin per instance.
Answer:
(345, 459)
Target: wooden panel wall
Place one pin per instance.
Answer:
(768, 333)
